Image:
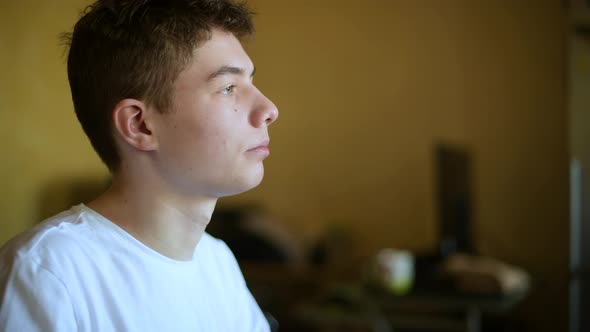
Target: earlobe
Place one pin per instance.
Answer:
(130, 123)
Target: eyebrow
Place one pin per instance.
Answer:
(224, 70)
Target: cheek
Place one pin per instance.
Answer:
(207, 131)
(205, 140)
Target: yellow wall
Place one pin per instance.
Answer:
(365, 88)
(42, 141)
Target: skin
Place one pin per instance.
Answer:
(176, 164)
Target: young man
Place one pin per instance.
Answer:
(164, 91)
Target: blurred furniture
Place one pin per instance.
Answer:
(442, 310)
(332, 299)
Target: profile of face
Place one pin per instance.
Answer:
(213, 141)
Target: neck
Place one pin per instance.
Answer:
(169, 224)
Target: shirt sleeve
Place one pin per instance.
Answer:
(34, 299)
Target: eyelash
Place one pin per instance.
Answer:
(228, 89)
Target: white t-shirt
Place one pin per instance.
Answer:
(78, 271)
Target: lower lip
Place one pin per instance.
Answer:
(261, 150)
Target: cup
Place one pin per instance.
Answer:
(395, 270)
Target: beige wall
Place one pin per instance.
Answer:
(364, 88)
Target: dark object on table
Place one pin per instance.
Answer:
(454, 198)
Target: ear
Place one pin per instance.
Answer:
(130, 121)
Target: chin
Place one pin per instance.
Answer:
(244, 185)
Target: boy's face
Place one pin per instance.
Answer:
(212, 143)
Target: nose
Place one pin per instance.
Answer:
(265, 112)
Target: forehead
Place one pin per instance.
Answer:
(222, 49)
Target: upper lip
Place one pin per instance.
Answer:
(262, 144)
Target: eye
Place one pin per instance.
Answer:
(228, 90)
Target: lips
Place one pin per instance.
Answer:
(261, 148)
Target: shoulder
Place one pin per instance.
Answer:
(228, 276)
(29, 287)
(46, 244)
(214, 247)
(218, 256)
(211, 243)
(211, 247)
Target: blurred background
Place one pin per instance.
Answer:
(370, 92)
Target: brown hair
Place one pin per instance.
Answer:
(136, 49)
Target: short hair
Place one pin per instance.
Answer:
(122, 49)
